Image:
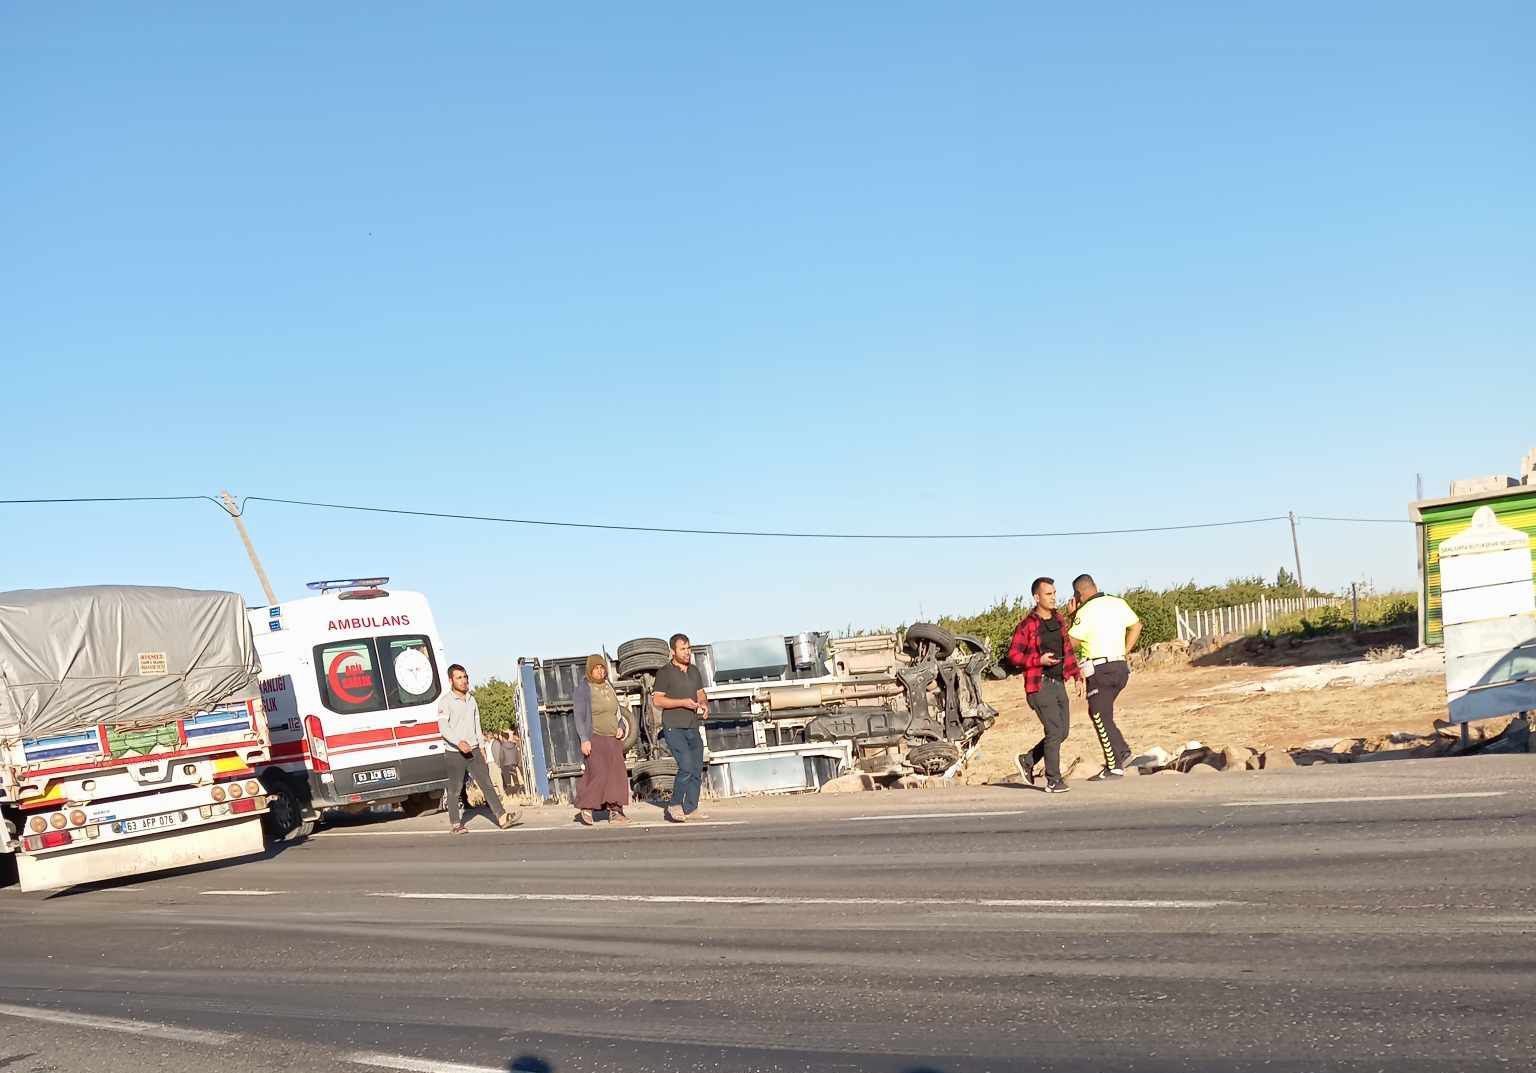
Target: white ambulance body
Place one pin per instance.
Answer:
(350, 682)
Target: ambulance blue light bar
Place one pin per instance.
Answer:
(349, 583)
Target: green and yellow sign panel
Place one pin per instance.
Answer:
(1441, 520)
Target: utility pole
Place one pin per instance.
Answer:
(250, 549)
(1418, 485)
(1295, 547)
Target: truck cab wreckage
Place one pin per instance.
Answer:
(787, 713)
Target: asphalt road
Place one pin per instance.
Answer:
(1369, 917)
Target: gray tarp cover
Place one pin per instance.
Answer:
(71, 658)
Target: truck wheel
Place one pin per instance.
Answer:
(642, 644)
(654, 787)
(932, 758)
(973, 643)
(633, 666)
(938, 636)
(660, 766)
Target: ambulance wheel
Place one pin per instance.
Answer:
(419, 804)
(285, 816)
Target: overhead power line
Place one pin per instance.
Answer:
(108, 499)
(778, 534)
(1360, 521)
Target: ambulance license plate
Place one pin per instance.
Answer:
(379, 774)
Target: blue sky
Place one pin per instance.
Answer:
(883, 267)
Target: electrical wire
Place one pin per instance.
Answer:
(772, 533)
(776, 534)
(110, 499)
(1361, 521)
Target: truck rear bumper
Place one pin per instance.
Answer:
(92, 862)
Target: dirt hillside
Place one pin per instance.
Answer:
(1257, 706)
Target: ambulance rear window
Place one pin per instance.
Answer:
(410, 670)
(349, 678)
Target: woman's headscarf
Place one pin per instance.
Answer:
(595, 661)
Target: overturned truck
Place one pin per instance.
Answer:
(787, 713)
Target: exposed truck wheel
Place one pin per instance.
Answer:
(633, 666)
(971, 642)
(631, 728)
(654, 787)
(642, 644)
(941, 639)
(934, 758)
(649, 769)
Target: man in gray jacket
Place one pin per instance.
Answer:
(458, 721)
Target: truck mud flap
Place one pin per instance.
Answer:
(92, 864)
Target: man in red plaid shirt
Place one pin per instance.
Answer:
(1043, 651)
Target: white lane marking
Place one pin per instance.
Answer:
(1353, 800)
(753, 899)
(940, 815)
(572, 826)
(118, 1024)
(415, 1065)
(243, 893)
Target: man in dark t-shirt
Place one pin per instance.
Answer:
(678, 697)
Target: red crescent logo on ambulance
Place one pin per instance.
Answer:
(341, 678)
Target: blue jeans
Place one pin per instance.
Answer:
(687, 749)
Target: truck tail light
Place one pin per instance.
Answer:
(252, 788)
(236, 790)
(37, 824)
(57, 821)
(77, 818)
(247, 804)
(317, 750)
(51, 840)
(217, 793)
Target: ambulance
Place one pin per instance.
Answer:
(350, 682)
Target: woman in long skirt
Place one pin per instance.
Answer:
(604, 784)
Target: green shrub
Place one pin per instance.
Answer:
(994, 625)
(1155, 610)
(497, 701)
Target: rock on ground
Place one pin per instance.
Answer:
(853, 782)
(1275, 758)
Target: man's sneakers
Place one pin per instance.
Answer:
(1107, 774)
(1026, 765)
(674, 814)
(1055, 786)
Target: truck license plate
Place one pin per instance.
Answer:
(382, 774)
(150, 823)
